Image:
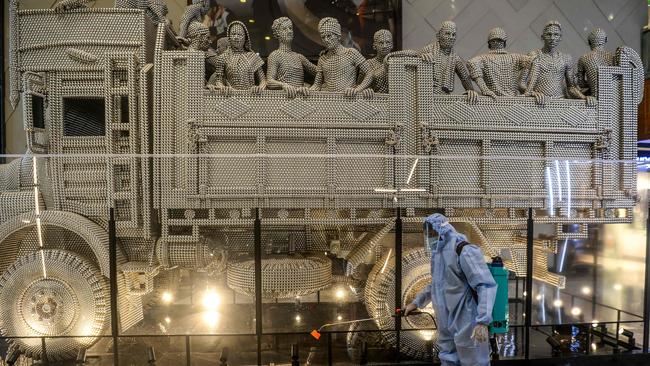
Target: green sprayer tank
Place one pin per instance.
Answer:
(500, 311)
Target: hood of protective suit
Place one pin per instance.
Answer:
(446, 233)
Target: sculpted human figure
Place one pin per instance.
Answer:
(447, 63)
(383, 45)
(238, 67)
(338, 66)
(193, 13)
(550, 69)
(589, 63)
(498, 72)
(286, 68)
(222, 45)
(198, 35)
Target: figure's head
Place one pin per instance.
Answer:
(330, 32)
(222, 45)
(552, 34)
(282, 29)
(597, 38)
(199, 36)
(497, 38)
(383, 42)
(436, 227)
(238, 36)
(205, 5)
(447, 34)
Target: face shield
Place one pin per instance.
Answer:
(431, 236)
(435, 227)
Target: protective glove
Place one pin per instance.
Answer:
(409, 308)
(480, 334)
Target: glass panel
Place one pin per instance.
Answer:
(188, 268)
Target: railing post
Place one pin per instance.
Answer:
(44, 351)
(258, 283)
(329, 349)
(295, 355)
(112, 249)
(398, 282)
(529, 282)
(188, 351)
(646, 289)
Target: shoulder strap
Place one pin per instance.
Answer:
(460, 246)
(459, 249)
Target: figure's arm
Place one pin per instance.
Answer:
(188, 16)
(570, 76)
(310, 67)
(261, 79)
(318, 79)
(480, 279)
(476, 73)
(463, 74)
(523, 64)
(272, 71)
(366, 71)
(532, 78)
(65, 5)
(216, 79)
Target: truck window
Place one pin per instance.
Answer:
(84, 117)
(38, 112)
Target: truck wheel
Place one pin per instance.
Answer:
(53, 292)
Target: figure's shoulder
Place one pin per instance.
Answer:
(534, 54)
(353, 52)
(274, 55)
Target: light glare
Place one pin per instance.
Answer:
(211, 300)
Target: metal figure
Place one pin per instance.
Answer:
(498, 72)
(239, 67)
(193, 13)
(447, 63)
(339, 66)
(551, 69)
(588, 64)
(383, 45)
(286, 68)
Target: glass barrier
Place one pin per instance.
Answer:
(204, 245)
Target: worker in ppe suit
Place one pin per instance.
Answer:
(462, 292)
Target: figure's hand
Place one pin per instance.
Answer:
(539, 97)
(304, 90)
(292, 92)
(227, 90)
(368, 93)
(350, 92)
(592, 101)
(257, 89)
(65, 5)
(183, 41)
(213, 87)
(490, 93)
(427, 57)
(409, 308)
(472, 97)
(480, 334)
